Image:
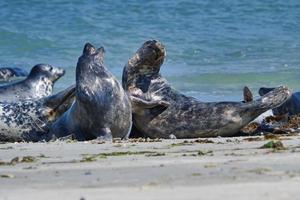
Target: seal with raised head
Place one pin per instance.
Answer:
(102, 108)
(30, 120)
(181, 116)
(7, 73)
(290, 107)
(39, 83)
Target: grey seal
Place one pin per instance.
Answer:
(7, 73)
(290, 107)
(30, 120)
(102, 109)
(181, 116)
(39, 83)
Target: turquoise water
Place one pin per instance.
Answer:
(214, 48)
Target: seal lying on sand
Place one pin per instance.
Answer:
(290, 107)
(6, 73)
(184, 117)
(29, 120)
(102, 108)
(38, 84)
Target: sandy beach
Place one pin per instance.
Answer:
(214, 168)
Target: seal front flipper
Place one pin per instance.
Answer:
(248, 96)
(136, 101)
(61, 102)
(139, 105)
(272, 99)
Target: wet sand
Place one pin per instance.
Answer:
(227, 168)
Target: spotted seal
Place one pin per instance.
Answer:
(7, 73)
(179, 115)
(29, 120)
(102, 109)
(38, 84)
(290, 107)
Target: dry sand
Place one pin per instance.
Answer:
(228, 168)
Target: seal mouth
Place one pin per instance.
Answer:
(154, 52)
(58, 72)
(150, 56)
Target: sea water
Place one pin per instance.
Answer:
(214, 48)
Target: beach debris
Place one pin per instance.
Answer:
(271, 136)
(293, 122)
(200, 153)
(275, 118)
(136, 140)
(191, 142)
(89, 158)
(7, 176)
(28, 159)
(210, 165)
(251, 129)
(196, 174)
(259, 170)
(204, 153)
(184, 143)
(202, 141)
(94, 157)
(253, 139)
(155, 154)
(6, 148)
(16, 160)
(275, 145)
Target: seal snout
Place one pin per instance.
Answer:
(89, 49)
(60, 72)
(152, 53)
(156, 46)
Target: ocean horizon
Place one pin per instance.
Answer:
(214, 48)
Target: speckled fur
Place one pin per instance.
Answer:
(29, 120)
(185, 117)
(38, 84)
(102, 108)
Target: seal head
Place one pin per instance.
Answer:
(38, 84)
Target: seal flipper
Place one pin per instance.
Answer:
(60, 102)
(136, 101)
(104, 134)
(272, 99)
(248, 96)
(263, 90)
